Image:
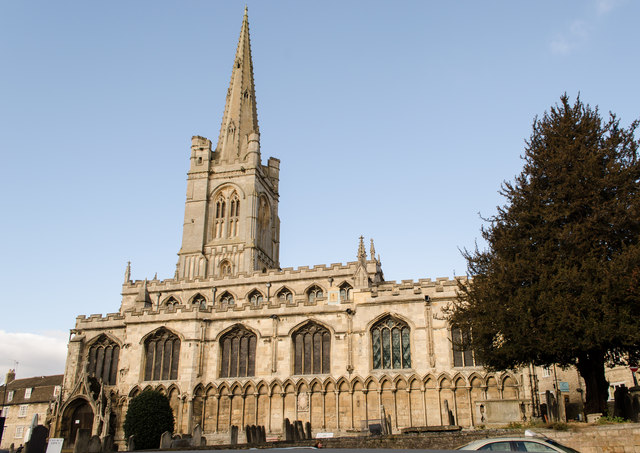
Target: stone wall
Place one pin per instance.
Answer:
(618, 438)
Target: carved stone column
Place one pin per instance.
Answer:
(424, 403)
(471, 423)
(204, 411)
(395, 407)
(337, 409)
(217, 397)
(439, 389)
(409, 399)
(366, 406)
(351, 398)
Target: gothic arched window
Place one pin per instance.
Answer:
(171, 302)
(162, 355)
(225, 268)
(345, 291)
(314, 293)
(255, 298)
(234, 214)
(312, 349)
(227, 298)
(391, 344)
(103, 360)
(218, 229)
(199, 300)
(284, 295)
(462, 355)
(238, 353)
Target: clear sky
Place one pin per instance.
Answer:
(397, 120)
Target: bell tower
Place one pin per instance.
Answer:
(231, 222)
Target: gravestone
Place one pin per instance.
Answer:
(234, 435)
(307, 430)
(196, 440)
(38, 441)
(248, 434)
(263, 434)
(107, 444)
(165, 440)
(131, 443)
(95, 445)
(288, 430)
(82, 440)
(383, 420)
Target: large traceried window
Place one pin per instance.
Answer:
(226, 214)
(391, 344)
(312, 349)
(462, 355)
(162, 356)
(103, 360)
(238, 353)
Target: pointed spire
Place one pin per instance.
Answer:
(372, 251)
(127, 273)
(240, 119)
(362, 254)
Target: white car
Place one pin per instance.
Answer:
(539, 444)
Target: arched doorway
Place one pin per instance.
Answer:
(78, 415)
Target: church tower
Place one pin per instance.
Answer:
(231, 222)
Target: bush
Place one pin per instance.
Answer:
(149, 415)
(608, 420)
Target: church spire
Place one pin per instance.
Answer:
(240, 119)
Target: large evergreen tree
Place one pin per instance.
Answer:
(558, 280)
(149, 415)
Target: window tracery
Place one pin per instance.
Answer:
(226, 214)
(225, 269)
(171, 302)
(462, 355)
(199, 300)
(238, 353)
(391, 344)
(162, 356)
(227, 298)
(284, 295)
(255, 298)
(103, 360)
(313, 293)
(312, 349)
(345, 291)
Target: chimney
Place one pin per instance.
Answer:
(11, 376)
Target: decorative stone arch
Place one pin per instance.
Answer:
(315, 384)
(381, 316)
(282, 291)
(356, 380)
(399, 378)
(210, 389)
(161, 389)
(442, 377)
(108, 335)
(371, 383)
(134, 391)
(509, 386)
(227, 186)
(157, 329)
(385, 381)
(302, 382)
(459, 376)
(247, 386)
(147, 388)
(236, 325)
(77, 413)
(476, 375)
(274, 386)
(310, 320)
(198, 388)
(328, 381)
(414, 378)
(226, 268)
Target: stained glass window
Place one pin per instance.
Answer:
(391, 344)
(312, 349)
(238, 353)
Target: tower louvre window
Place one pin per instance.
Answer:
(162, 356)
(391, 344)
(103, 360)
(312, 349)
(238, 353)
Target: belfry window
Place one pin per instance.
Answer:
(462, 355)
(345, 291)
(225, 268)
(227, 299)
(284, 295)
(162, 355)
(312, 349)
(391, 344)
(255, 298)
(103, 360)
(220, 214)
(314, 293)
(234, 213)
(238, 353)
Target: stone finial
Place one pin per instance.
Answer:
(362, 254)
(372, 251)
(127, 273)
(155, 276)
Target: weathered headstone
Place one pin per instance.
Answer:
(248, 434)
(165, 440)
(263, 434)
(38, 441)
(82, 441)
(307, 430)
(131, 443)
(234, 435)
(107, 443)
(288, 430)
(196, 440)
(95, 445)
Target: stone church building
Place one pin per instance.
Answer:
(233, 339)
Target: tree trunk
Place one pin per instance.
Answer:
(591, 367)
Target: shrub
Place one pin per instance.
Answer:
(149, 415)
(608, 420)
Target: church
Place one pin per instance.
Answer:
(234, 339)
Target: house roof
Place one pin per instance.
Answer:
(43, 388)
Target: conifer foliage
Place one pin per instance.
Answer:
(559, 279)
(149, 415)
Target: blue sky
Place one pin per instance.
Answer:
(396, 120)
